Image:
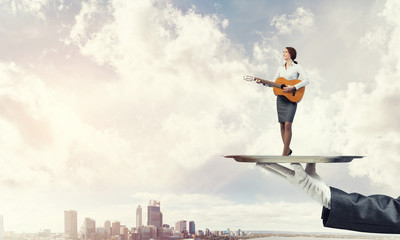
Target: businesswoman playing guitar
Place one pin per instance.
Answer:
(286, 108)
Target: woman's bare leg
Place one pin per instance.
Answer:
(287, 138)
(282, 125)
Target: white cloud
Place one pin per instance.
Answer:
(372, 127)
(174, 106)
(301, 20)
(36, 8)
(176, 70)
(390, 12)
(376, 39)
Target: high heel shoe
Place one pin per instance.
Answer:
(290, 153)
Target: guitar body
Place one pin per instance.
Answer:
(295, 96)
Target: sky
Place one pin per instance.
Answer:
(106, 105)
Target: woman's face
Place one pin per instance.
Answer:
(286, 54)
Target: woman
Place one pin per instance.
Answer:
(286, 109)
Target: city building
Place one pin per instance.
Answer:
(115, 230)
(192, 228)
(107, 229)
(124, 232)
(200, 233)
(180, 226)
(1, 228)
(46, 233)
(100, 233)
(71, 224)
(138, 216)
(146, 232)
(154, 215)
(116, 237)
(164, 233)
(89, 229)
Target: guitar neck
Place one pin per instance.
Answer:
(270, 83)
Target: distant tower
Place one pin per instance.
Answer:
(180, 226)
(124, 233)
(138, 216)
(89, 229)
(107, 229)
(116, 228)
(71, 224)
(192, 227)
(1, 228)
(154, 215)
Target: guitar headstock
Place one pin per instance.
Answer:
(248, 78)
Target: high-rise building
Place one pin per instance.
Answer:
(115, 231)
(1, 228)
(200, 233)
(147, 232)
(124, 232)
(107, 229)
(192, 227)
(180, 226)
(138, 216)
(164, 233)
(154, 215)
(71, 224)
(89, 228)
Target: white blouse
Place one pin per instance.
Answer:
(294, 71)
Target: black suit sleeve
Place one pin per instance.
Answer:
(375, 214)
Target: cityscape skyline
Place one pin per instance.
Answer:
(72, 229)
(155, 228)
(71, 223)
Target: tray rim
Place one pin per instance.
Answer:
(293, 159)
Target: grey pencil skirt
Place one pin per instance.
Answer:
(286, 109)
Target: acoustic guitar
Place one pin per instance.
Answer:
(294, 96)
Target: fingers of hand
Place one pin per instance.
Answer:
(299, 173)
(281, 169)
(296, 166)
(288, 89)
(266, 167)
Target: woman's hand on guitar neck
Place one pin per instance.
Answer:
(289, 89)
(257, 80)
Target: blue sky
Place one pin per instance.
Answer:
(106, 105)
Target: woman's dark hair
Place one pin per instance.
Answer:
(292, 53)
